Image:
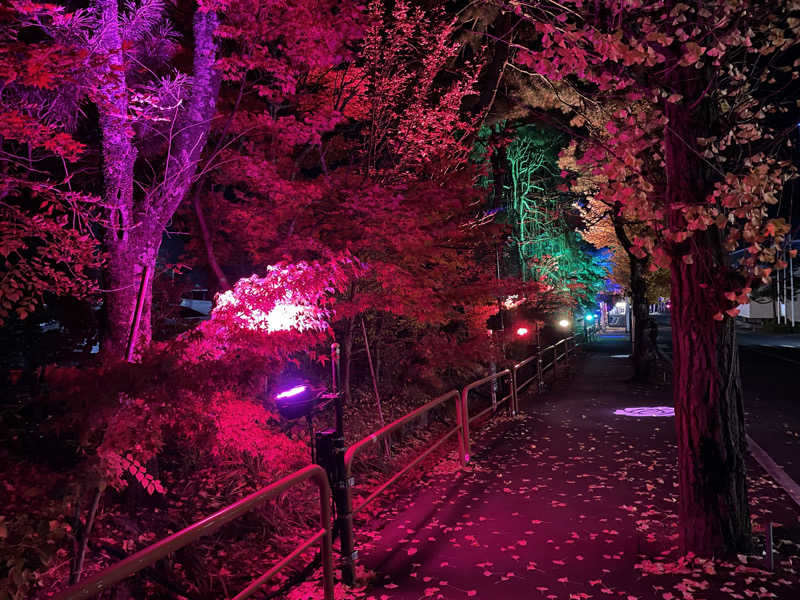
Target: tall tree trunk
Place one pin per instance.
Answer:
(199, 186)
(709, 414)
(639, 308)
(641, 314)
(124, 267)
(119, 157)
(136, 222)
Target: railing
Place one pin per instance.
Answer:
(348, 550)
(467, 420)
(537, 358)
(462, 429)
(150, 555)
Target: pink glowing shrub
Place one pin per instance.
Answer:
(287, 310)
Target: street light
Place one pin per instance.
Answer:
(522, 331)
(564, 323)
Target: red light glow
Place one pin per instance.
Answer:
(522, 331)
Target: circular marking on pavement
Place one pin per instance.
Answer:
(646, 411)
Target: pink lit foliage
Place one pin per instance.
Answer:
(256, 327)
(118, 466)
(241, 432)
(288, 309)
(47, 225)
(685, 61)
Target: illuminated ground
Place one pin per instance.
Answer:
(565, 503)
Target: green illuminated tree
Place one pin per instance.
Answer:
(544, 242)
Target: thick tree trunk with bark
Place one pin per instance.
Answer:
(127, 259)
(136, 221)
(119, 157)
(709, 414)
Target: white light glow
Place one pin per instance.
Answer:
(646, 411)
(513, 301)
(283, 316)
(292, 391)
(564, 323)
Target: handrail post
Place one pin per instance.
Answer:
(326, 543)
(514, 396)
(463, 457)
(465, 424)
(539, 370)
(346, 534)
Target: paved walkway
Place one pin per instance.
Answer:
(565, 502)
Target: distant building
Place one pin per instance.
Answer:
(775, 302)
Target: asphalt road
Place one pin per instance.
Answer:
(770, 366)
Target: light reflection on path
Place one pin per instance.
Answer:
(646, 411)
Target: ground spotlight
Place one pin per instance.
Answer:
(298, 401)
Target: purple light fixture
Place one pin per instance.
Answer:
(298, 401)
(298, 389)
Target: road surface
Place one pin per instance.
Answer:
(770, 366)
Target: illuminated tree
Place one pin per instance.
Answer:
(352, 161)
(47, 245)
(524, 182)
(693, 156)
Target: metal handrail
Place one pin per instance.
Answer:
(541, 366)
(387, 430)
(466, 420)
(155, 552)
(520, 386)
(347, 537)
